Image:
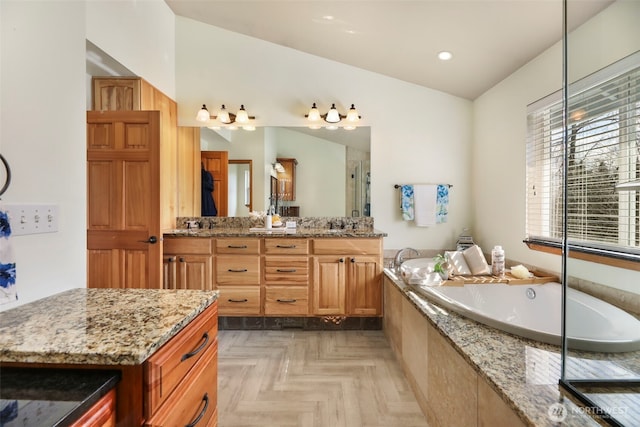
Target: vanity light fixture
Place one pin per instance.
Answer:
(241, 118)
(333, 117)
(278, 167)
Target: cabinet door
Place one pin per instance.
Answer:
(329, 285)
(364, 286)
(194, 272)
(287, 179)
(169, 272)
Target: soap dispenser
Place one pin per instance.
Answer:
(268, 222)
(497, 261)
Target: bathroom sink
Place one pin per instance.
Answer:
(419, 271)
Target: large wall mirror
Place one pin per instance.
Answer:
(332, 174)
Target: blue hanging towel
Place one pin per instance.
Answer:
(442, 203)
(407, 204)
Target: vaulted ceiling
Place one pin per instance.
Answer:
(489, 39)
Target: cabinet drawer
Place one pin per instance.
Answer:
(239, 300)
(347, 246)
(286, 246)
(165, 369)
(195, 399)
(286, 270)
(237, 270)
(238, 246)
(286, 300)
(187, 245)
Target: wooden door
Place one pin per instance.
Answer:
(217, 162)
(124, 248)
(195, 272)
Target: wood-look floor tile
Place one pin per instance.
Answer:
(312, 379)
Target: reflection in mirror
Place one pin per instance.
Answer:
(240, 194)
(332, 174)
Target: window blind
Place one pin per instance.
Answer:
(603, 150)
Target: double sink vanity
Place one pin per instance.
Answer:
(132, 357)
(323, 268)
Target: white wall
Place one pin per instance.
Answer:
(500, 134)
(43, 71)
(430, 143)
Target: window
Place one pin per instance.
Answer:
(603, 151)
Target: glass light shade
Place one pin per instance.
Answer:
(333, 116)
(223, 115)
(314, 114)
(242, 116)
(352, 115)
(203, 114)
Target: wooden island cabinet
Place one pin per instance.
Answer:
(161, 343)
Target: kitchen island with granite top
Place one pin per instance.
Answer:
(161, 343)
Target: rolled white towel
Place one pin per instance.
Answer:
(520, 271)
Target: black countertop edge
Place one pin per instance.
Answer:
(69, 393)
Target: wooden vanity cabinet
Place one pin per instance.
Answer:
(287, 179)
(180, 379)
(286, 277)
(347, 277)
(188, 263)
(238, 275)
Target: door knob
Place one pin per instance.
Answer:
(152, 240)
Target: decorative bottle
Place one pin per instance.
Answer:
(497, 261)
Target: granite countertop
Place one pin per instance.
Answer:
(523, 371)
(275, 232)
(50, 397)
(98, 326)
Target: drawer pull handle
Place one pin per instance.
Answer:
(286, 246)
(287, 300)
(238, 300)
(205, 399)
(237, 246)
(242, 270)
(186, 356)
(283, 270)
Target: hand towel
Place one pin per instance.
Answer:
(424, 199)
(442, 203)
(8, 290)
(406, 202)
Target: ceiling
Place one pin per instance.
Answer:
(489, 39)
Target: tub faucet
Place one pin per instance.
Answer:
(399, 258)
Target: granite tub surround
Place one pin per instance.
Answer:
(98, 326)
(487, 373)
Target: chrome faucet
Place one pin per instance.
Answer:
(399, 258)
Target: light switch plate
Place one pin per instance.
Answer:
(32, 218)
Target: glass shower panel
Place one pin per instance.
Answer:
(601, 218)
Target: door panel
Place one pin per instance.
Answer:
(123, 188)
(217, 162)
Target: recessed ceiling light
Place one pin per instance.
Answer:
(328, 17)
(445, 55)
